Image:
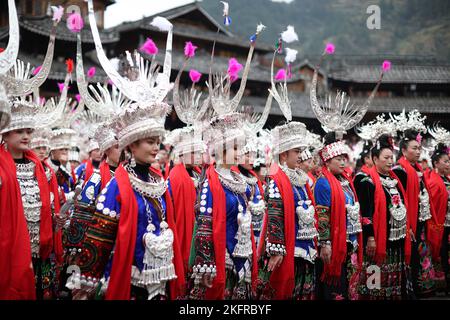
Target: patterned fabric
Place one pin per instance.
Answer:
(395, 283)
(425, 282)
(235, 288)
(275, 231)
(45, 277)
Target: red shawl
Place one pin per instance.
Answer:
(380, 217)
(46, 223)
(120, 279)
(105, 173)
(88, 171)
(365, 169)
(57, 236)
(439, 198)
(17, 277)
(184, 197)
(311, 176)
(219, 238)
(332, 271)
(413, 190)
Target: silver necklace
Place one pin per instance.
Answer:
(151, 189)
(297, 177)
(231, 180)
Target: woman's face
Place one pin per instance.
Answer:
(443, 165)
(113, 154)
(18, 140)
(61, 155)
(337, 164)
(145, 150)
(306, 165)
(96, 155)
(248, 160)
(384, 161)
(290, 157)
(41, 152)
(230, 155)
(412, 151)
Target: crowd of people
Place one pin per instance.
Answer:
(99, 201)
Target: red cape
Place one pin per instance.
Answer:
(16, 270)
(184, 197)
(105, 173)
(439, 198)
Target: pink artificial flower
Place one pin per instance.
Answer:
(234, 67)
(75, 22)
(329, 49)
(149, 47)
(36, 70)
(58, 12)
(61, 86)
(386, 65)
(189, 49)
(419, 138)
(281, 75)
(426, 263)
(354, 259)
(396, 200)
(91, 72)
(78, 97)
(195, 75)
(366, 221)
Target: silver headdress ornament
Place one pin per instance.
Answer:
(375, 128)
(229, 125)
(18, 80)
(9, 55)
(145, 117)
(86, 125)
(337, 113)
(151, 87)
(106, 135)
(314, 144)
(263, 145)
(102, 103)
(5, 108)
(413, 121)
(41, 138)
(440, 135)
(290, 135)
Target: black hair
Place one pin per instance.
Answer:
(383, 142)
(330, 138)
(439, 152)
(408, 135)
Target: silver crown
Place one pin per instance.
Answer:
(150, 87)
(188, 140)
(337, 113)
(23, 114)
(288, 136)
(412, 120)
(41, 138)
(138, 122)
(106, 136)
(372, 130)
(61, 138)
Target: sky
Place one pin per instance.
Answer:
(131, 10)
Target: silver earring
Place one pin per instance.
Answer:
(132, 162)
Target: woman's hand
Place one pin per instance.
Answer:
(274, 262)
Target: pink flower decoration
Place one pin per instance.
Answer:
(189, 49)
(78, 97)
(91, 72)
(61, 86)
(58, 12)
(396, 200)
(329, 49)
(339, 297)
(426, 263)
(354, 259)
(419, 138)
(234, 67)
(75, 22)
(281, 75)
(149, 47)
(195, 75)
(36, 70)
(366, 221)
(386, 65)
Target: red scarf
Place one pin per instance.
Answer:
(439, 198)
(89, 170)
(311, 176)
(184, 196)
(17, 277)
(120, 279)
(380, 216)
(365, 169)
(219, 238)
(332, 271)
(57, 236)
(105, 173)
(413, 190)
(46, 223)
